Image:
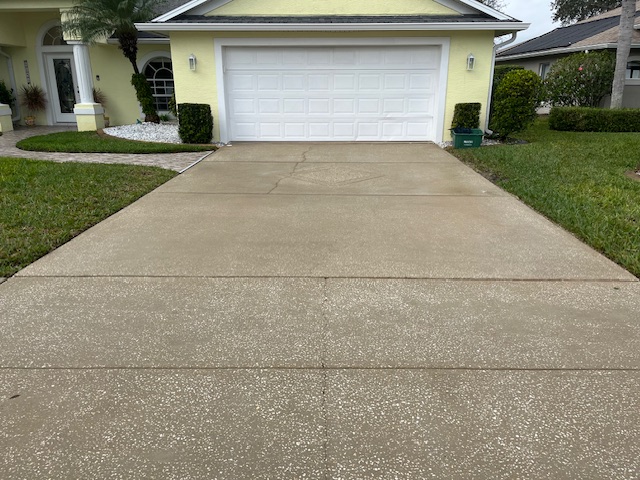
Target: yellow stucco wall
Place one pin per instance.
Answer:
(463, 86)
(11, 32)
(107, 62)
(332, 7)
(114, 70)
(4, 71)
(31, 24)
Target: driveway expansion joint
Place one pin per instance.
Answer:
(338, 277)
(325, 369)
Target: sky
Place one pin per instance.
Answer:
(536, 12)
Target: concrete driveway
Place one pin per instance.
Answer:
(321, 311)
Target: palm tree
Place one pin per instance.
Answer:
(93, 20)
(625, 33)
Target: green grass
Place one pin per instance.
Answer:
(91, 142)
(575, 179)
(45, 204)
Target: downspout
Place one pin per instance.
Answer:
(12, 81)
(514, 35)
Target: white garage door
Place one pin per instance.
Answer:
(332, 93)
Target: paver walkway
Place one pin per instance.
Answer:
(321, 311)
(170, 161)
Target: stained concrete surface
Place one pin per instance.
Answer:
(182, 234)
(161, 424)
(460, 424)
(173, 322)
(321, 311)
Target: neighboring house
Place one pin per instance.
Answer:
(596, 33)
(339, 70)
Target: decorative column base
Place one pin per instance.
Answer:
(89, 116)
(6, 124)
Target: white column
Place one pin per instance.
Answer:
(6, 125)
(83, 71)
(89, 114)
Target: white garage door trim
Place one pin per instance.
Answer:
(221, 43)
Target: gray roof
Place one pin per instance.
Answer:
(335, 19)
(165, 6)
(564, 37)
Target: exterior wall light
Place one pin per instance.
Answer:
(192, 62)
(471, 62)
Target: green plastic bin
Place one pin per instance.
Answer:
(467, 140)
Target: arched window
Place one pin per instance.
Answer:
(160, 76)
(53, 37)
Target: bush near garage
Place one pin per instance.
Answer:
(498, 74)
(516, 100)
(195, 123)
(466, 115)
(580, 80)
(583, 119)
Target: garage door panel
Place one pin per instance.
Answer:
(331, 93)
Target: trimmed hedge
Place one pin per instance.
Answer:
(466, 115)
(586, 119)
(516, 100)
(195, 123)
(145, 97)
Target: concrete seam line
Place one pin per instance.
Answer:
(196, 162)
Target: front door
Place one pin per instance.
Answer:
(63, 89)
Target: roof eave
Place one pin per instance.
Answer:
(485, 9)
(195, 5)
(558, 51)
(331, 27)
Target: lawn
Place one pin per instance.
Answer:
(91, 142)
(578, 180)
(45, 204)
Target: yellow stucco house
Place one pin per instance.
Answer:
(277, 70)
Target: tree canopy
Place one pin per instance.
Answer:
(92, 20)
(570, 11)
(495, 4)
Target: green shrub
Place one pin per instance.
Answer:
(145, 97)
(580, 80)
(195, 123)
(498, 74)
(173, 108)
(516, 100)
(500, 71)
(583, 119)
(6, 95)
(466, 115)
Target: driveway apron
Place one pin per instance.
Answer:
(321, 310)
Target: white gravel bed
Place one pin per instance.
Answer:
(147, 132)
(168, 133)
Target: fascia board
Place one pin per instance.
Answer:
(474, 6)
(332, 27)
(178, 11)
